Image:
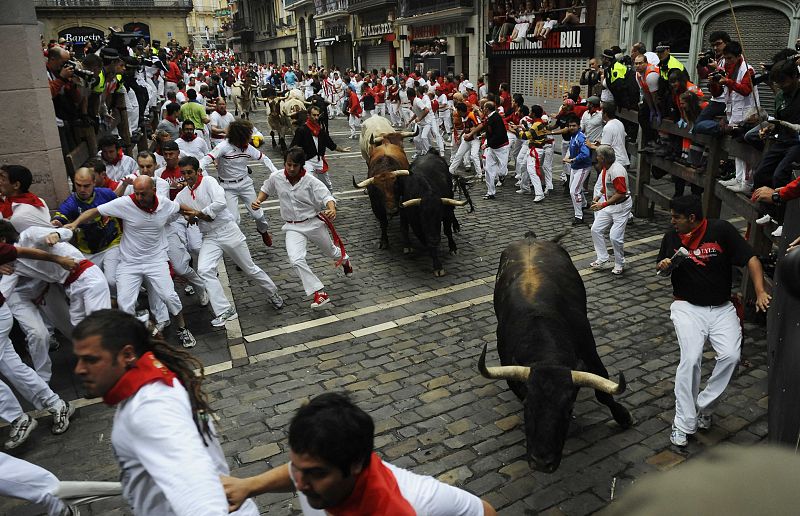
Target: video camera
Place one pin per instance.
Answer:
(706, 56)
(717, 74)
(78, 70)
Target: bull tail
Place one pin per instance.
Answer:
(461, 186)
(559, 237)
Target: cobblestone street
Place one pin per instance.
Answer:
(405, 344)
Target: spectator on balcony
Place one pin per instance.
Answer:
(710, 67)
(591, 78)
(576, 14)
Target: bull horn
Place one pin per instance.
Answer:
(410, 134)
(375, 141)
(452, 202)
(598, 383)
(411, 202)
(517, 373)
(363, 184)
(401, 172)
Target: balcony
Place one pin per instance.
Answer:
(328, 9)
(332, 32)
(291, 5)
(450, 8)
(364, 5)
(243, 28)
(113, 6)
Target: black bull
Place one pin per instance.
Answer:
(427, 206)
(544, 335)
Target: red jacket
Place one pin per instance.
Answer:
(379, 92)
(355, 105)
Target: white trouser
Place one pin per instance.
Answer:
(355, 125)
(315, 165)
(228, 240)
(436, 134)
(565, 167)
(514, 144)
(243, 191)
(576, 179)
(178, 251)
(24, 379)
(131, 275)
(107, 260)
(531, 175)
(447, 120)
(297, 237)
(393, 110)
(467, 150)
(368, 113)
(87, 294)
(422, 141)
(616, 218)
(520, 167)
(693, 325)
(744, 173)
(30, 317)
(26, 481)
(405, 113)
(547, 166)
(380, 108)
(496, 165)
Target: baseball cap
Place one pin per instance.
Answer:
(469, 85)
(593, 100)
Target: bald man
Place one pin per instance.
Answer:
(143, 249)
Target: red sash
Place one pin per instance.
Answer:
(376, 493)
(337, 240)
(147, 369)
(538, 164)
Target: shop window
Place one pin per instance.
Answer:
(677, 32)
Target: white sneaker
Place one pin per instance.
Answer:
(276, 300)
(729, 182)
(21, 429)
(188, 290)
(204, 300)
(766, 219)
(186, 338)
(778, 232)
(598, 264)
(538, 198)
(703, 421)
(61, 411)
(160, 326)
(227, 315)
(678, 437)
(523, 191)
(617, 270)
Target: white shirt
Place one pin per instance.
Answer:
(166, 468)
(48, 272)
(614, 135)
(144, 239)
(605, 93)
(220, 122)
(302, 201)
(592, 125)
(421, 105)
(232, 161)
(209, 197)
(24, 216)
(426, 495)
(196, 148)
(121, 169)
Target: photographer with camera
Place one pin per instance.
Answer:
(65, 94)
(709, 66)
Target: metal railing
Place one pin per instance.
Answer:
(408, 8)
(185, 4)
(331, 6)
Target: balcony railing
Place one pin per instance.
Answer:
(408, 8)
(115, 4)
(360, 5)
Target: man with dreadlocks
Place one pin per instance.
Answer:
(163, 437)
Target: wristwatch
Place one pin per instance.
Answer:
(776, 197)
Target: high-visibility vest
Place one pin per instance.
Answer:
(642, 77)
(618, 71)
(672, 64)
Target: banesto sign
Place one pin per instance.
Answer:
(577, 42)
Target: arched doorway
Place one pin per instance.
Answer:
(676, 31)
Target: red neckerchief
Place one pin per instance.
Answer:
(147, 369)
(691, 240)
(376, 493)
(171, 118)
(299, 177)
(194, 135)
(196, 184)
(313, 126)
(148, 210)
(118, 157)
(24, 198)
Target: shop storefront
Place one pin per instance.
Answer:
(335, 45)
(376, 45)
(540, 55)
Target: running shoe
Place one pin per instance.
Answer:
(678, 437)
(225, 316)
(348, 269)
(598, 264)
(21, 429)
(61, 411)
(204, 300)
(320, 298)
(266, 238)
(703, 421)
(188, 290)
(186, 338)
(276, 300)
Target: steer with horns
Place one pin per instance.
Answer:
(387, 166)
(546, 346)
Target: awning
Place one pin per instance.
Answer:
(326, 42)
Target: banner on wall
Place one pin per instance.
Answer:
(574, 42)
